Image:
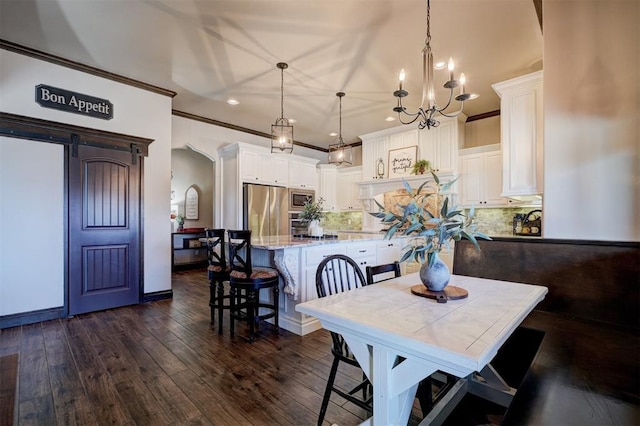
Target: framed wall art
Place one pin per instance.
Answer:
(191, 204)
(401, 161)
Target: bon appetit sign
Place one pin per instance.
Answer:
(66, 100)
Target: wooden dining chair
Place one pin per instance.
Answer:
(249, 280)
(218, 272)
(336, 274)
(375, 273)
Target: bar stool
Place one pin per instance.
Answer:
(218, 272)
(245, 277)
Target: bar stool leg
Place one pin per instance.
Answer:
(220, 304)
(232, 308)
(252, 312)
(212, 299)
(276, 302)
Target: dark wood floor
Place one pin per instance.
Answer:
(162, 363)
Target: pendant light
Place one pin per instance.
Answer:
(281, 130)
(339, 153)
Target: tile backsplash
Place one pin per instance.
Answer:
(342, 221)
(493, 222)
(497, 222)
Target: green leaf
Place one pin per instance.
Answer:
(445, 208)
(445, 187)
(407, 186)
(406, 255)
(435, 177)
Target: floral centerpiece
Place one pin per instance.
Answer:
(430, 231)
(312, 213)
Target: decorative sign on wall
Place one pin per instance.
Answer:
(401, 161)
(191, 203)
(66, 100)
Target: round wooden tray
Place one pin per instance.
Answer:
(450, 292)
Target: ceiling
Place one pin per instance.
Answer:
(208, 51)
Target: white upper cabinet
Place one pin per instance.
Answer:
(328, 181)
(302, 173)
(480, 180)
(440, 145)
(521, 131)
(263, 167)
(375, 157)
(347, 188)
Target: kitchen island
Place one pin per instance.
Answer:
(297, 260)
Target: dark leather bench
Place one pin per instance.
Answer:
(589, 280)
(591, 313)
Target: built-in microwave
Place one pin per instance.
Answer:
(298, 197)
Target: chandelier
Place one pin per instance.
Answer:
(426, 115)
(339, 153)
(281, 130)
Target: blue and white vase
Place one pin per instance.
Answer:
(436, 277)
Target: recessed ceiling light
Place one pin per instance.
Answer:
(232, 101)
(293, 121)
(390, 119)
(333, 134)
(440, 65)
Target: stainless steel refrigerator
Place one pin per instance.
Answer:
(266, 210)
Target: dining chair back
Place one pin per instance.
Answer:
(383, 272)
(247, 280)
(336, 274)
(218, 272)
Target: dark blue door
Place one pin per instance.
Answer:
(104, 230)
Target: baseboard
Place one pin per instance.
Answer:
(14, 320)
(157, 295)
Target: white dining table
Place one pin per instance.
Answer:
(400, 338)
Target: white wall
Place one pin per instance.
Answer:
(136, 112)
(591, 119)
(192, 168)
(482, 132)
(31, 216)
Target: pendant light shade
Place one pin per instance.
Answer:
(281, 130)
(339, 153)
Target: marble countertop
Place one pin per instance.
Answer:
(275, 242)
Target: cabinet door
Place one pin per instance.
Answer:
(278, 170)
(521, 134)
(250, 166)
(369, 159)
(327, 187)
(363, 253)
(347, 190)
(446, 146)
(302, 175)
(493, 179)
(470, 182)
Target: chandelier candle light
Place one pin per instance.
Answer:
(426, 116)
(339, 153)
(282, 131)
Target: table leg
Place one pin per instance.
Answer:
(395, 379)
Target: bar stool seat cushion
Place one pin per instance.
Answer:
(257, 273)
(218, 268)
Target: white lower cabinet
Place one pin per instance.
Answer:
(364, 254)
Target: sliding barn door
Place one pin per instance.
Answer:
(104, 229)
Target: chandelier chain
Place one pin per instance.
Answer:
(340, 118)
(427, 41)
(281, 92)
